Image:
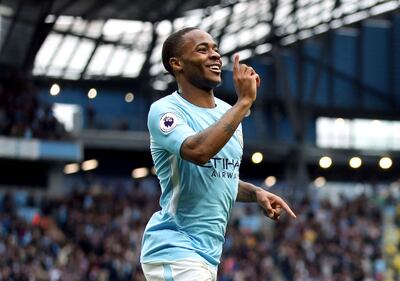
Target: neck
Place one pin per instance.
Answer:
(197, 96)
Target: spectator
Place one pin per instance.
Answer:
(21, 114)
(95, 234)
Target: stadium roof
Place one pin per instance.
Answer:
(99, 40)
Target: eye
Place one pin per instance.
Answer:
(202, 50)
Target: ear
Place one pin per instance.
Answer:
(176, 64)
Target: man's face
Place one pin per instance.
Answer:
(201, 62)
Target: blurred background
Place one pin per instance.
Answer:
(77, 183)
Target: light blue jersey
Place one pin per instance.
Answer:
(196, 201)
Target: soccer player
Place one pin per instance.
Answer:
(197, 146)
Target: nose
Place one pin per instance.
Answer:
(215, 55)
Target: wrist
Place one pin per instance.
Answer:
(247, 192)
(244, 103)
(258, 193)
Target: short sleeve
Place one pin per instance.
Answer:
(168, 127)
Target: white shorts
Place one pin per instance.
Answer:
(182, 270)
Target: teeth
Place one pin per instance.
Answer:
(214, 67)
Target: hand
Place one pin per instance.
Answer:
(272, 205)
(246, 81)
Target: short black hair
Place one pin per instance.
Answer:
(172, 47)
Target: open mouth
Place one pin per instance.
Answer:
(215, 68)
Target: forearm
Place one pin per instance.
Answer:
(247, 192)
(202, 146)
(271, 204)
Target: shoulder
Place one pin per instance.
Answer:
(164, 105)
(166, 112)
(167, 101)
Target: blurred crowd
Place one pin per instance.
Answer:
(392, 238)
(325, 243)
(94, 233)
(21, 113)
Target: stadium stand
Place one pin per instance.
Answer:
(21, 112)
(94, 233)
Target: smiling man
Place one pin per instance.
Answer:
(197, 147)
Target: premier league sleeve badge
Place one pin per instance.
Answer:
(168, 122)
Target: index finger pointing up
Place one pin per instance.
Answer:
(236, 63)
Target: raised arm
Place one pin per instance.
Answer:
(202, 146)
(271, 203)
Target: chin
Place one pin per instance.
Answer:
(206, 83)
(215, 82)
